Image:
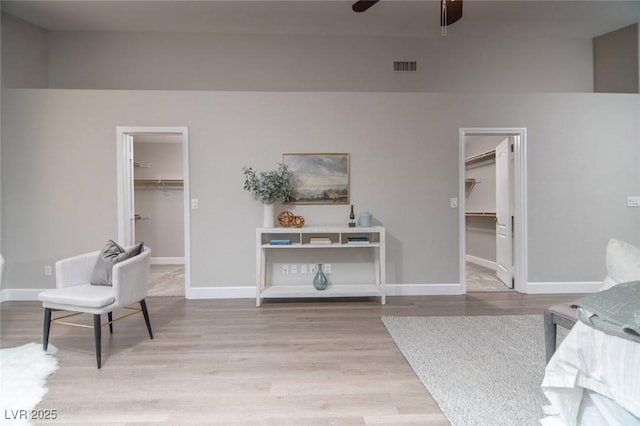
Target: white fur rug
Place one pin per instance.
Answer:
(23, 377)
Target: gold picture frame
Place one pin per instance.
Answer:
(319, 178)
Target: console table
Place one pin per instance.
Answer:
(333, 238)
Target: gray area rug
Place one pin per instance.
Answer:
(481, 370)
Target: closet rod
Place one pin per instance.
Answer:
(481, 214)
(158, 182)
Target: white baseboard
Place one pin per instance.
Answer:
(406, 290)
(249, 292)
(167, 260)
(20, 294)
(563, 287)
(490, 264)
(423, 289)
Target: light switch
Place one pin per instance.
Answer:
(633, 201)
(454, 202)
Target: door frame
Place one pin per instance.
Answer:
(520, 272)
(125, 186)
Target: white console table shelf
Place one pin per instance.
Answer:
(301, 239)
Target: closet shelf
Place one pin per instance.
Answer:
(469, 183)
(158, 182)
(480, 159)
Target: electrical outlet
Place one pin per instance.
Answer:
(633, 201)
(313, 268)
(294, 268)
(285, 269)
(47, 271)
(303, 268)
(326, 268)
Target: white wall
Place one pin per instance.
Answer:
(617, 60)
(59, 167)
(25, 55)
(102, 60)
(1, 221)
(481, 239)
(279, 94)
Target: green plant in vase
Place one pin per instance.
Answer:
(268, 187)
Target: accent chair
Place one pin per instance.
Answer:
(75, 292)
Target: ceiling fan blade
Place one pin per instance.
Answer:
(362, 5)
(453, 11)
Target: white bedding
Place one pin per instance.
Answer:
(589, 359)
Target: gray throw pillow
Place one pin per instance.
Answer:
(111, 254)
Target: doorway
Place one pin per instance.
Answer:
(153, 202)
(493, 209)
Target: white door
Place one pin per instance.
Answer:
(130, 232)
(503, 214)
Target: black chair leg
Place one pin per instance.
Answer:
(46, 329)
(110, 316)
(550, 333)
(98, 336)
(145, 312)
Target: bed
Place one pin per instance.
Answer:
(593, 378)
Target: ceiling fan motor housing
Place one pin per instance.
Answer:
(450, 10)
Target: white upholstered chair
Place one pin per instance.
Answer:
(74, 292)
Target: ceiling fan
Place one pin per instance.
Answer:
(450, 10)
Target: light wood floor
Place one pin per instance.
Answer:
(226, 362)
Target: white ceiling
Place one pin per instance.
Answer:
(571, 18)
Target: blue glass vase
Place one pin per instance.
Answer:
(320, 279)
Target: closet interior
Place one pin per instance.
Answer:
(159, 209)
(481, 198)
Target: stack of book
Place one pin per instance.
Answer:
(320, 240)
(280, 242)
(357, 240)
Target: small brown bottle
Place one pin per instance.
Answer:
(352, 218)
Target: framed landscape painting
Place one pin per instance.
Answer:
(318, 178)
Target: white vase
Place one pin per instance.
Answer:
(268, 215)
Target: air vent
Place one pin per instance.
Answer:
(405, 66)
